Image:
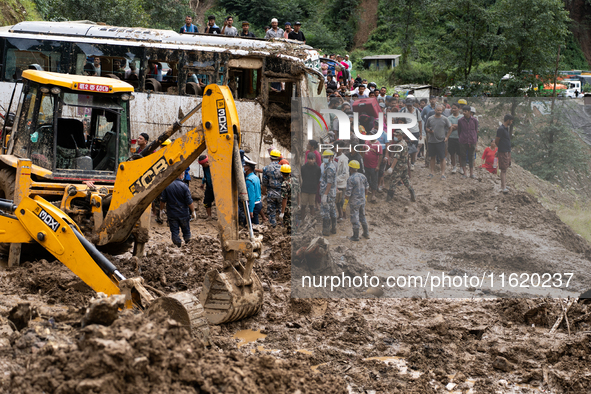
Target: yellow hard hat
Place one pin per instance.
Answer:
(462, 101)
(328, 152)
(354, 164)
(286, 169)
(167, 142)
(275, 153)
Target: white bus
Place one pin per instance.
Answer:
(168, 71)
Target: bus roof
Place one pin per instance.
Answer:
(91, 30)
(79, 82)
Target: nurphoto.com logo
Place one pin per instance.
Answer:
(344, 133)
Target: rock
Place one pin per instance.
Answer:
(501, 363)
(450, 386)
(21, 314)
(375, 291)
(103, 311)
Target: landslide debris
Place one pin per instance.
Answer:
(139, 355)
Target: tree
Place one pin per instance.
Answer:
(111, 12)
(470, 33)
(406, 19)
(549, 149)
(168, 15)
(530, 33)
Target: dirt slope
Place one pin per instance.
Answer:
(14, 11)
(368, 21)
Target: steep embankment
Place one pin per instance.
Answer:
(14, 11)
(368, 21)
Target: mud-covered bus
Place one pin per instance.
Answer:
(168, 71)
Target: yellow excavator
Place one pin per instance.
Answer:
(50, 150)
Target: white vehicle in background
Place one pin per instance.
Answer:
(570, 93)
(572, 84)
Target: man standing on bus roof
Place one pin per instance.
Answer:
(189, 27)
(287, 29)
(274, 31)
(211, 27)
(245, 32)
(296, 33)
(228, 29)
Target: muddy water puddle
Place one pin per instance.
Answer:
(248, 336)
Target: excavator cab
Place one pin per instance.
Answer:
(75, 126)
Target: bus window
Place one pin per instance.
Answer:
(1, 56)
(21, 53)
(162, 77)
(113, 61)
(244, 83)
(197, 79)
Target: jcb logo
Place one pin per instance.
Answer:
(49, 220)
(222, 119)
(148, 177)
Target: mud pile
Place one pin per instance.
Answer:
(171, 269)
(138, 355)
(52, 280)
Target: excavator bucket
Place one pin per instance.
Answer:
(234, 291)
(185, 309)
(225, 301)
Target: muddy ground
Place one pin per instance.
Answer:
(500, 344)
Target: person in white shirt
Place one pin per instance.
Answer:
(361, 91)
(274, 31)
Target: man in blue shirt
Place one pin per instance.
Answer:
(179, 209)
(188, 27)
(253, 187)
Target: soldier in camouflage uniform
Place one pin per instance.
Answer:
(357, 188)
(328, 191)
(398, 170)
(286, 194)
(272, 180)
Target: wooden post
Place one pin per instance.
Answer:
(21, 189)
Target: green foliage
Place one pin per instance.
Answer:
(168, 15)
(470, 33)
(531, 32)
(112, 12)
(342, 18)
(145, 13)
(413, 72)
(550, 149)
(411, 18)
(572, 56)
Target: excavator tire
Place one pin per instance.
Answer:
(184, 308)
(225, 301)
(7, 184)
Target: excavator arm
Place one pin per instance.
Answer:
(233, 292)
(37, 220)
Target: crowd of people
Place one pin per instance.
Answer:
(355, 170)
(338, 182)
(228, 29)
